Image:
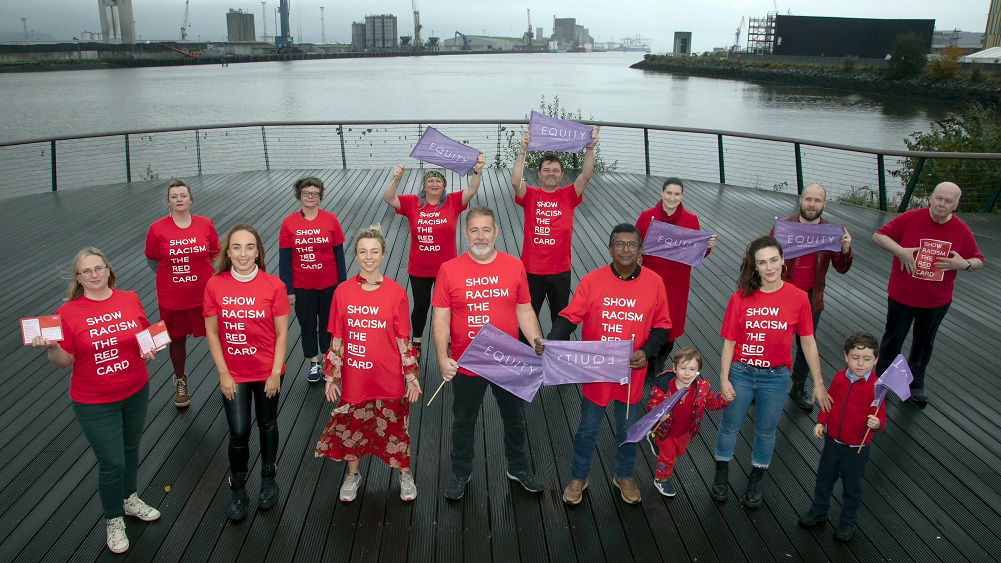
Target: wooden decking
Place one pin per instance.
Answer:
(931, 489)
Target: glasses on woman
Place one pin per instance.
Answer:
(95, 271)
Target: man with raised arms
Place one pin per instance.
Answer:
(482, 285)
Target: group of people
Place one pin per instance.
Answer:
(362, 335)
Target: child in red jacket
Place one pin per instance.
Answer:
(846, 441)
(670, 438)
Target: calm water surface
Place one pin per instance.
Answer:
(44, 104)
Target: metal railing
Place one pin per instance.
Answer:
(866, 176)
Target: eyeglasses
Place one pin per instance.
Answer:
(99, 270)
(619, 245)
(309, 194)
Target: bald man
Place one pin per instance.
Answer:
(920, 288)
(809, 273)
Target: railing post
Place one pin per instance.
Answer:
(904, 201)
(52, 151)
(799, 170)
(344, 160)
(128, 160)
(576, 163)
(882, 182)
(989, 206)
(198, 151)
(646, 148)
(722, 169)
(264, 139)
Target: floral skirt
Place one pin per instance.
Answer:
(379, 427)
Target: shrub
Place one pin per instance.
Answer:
(907, 56)
(946, 66)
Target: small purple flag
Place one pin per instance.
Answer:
(643, 426)
(435, 148)
(799, 239)
(500, 359)
(586, 361)
(552, 134)
(896, 378)
(679, 244)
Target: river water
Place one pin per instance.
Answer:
(504, 87)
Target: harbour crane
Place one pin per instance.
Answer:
(417, 25)
(465, 40)
(528, 34)
(283, 36)
(184, 24)
(736, 37)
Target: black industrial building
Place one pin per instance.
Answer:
(838, 37)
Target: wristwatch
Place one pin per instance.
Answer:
(968, 265)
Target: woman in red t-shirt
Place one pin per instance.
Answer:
(311, 264)
(758, 329)
(109, 384)
(372, 368)
(180, 249)
(677, 276)
(246, 327)
(433, 216)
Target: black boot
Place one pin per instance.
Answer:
(238, 503)
(268, 496)
(800, 398)
(721, 482)
(752, 496)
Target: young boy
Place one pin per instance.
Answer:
(846, 423)
(671, 436)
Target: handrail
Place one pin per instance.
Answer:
(522, 121)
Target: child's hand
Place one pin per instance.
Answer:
(818, 431)
(872, 422)
(663, 418)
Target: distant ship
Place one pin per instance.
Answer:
(637, 43)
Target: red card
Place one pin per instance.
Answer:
(50, 327)
(929, 251)
(153, 338)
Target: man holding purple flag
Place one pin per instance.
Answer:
(586, 361)
(809, 273)
(621, 301)
(480, 286)
(549, 210)
(505, 362)
(847, 430)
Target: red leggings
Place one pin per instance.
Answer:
(670, 448)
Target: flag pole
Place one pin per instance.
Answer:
(435, 393)
(628, 389)
(867, 431)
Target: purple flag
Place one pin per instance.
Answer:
(896, 378)
(552, 134)
(586, 361)
(679, 244)
(643, 426)
(438, 149)
(504, 361)
(798, 239)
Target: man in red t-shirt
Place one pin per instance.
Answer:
(477, 287)
(928, 245)
(549, 209)
(809, 273)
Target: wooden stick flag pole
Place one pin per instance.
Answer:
(867, 431)
(436, 392)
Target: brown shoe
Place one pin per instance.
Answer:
(628, 489)
(574, 491)
(181, 397)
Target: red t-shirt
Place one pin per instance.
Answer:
(907, 230)
(804, 271)
(762, 325)
(611, 308)
(369, 322)
(246, 314)
(101, 336)
(312, 244)
(432, 233)
(548, 228)
(185, 261)
(480, 293)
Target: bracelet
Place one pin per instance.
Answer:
(475, 173)
(521, 152)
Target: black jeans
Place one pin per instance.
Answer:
(238, 416)
(799, 365)
(467, 398)
(554, 286)
(312, 308)
(899, 318)
(421, 288)
(844, 461)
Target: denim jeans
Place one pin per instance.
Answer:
(587, 434)
(768, 388)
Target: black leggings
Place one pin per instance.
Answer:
(238, 416)
(312, 308)
(422, 303)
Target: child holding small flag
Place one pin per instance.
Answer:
(849, 427)
(670, 437)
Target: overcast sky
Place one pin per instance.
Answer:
(713, 22)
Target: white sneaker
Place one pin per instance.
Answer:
(349, 489)
(134, 506)
(408, 488)
(118, 542)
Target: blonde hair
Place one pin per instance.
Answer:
(371, 231)
(223, 263)
(75, 289)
